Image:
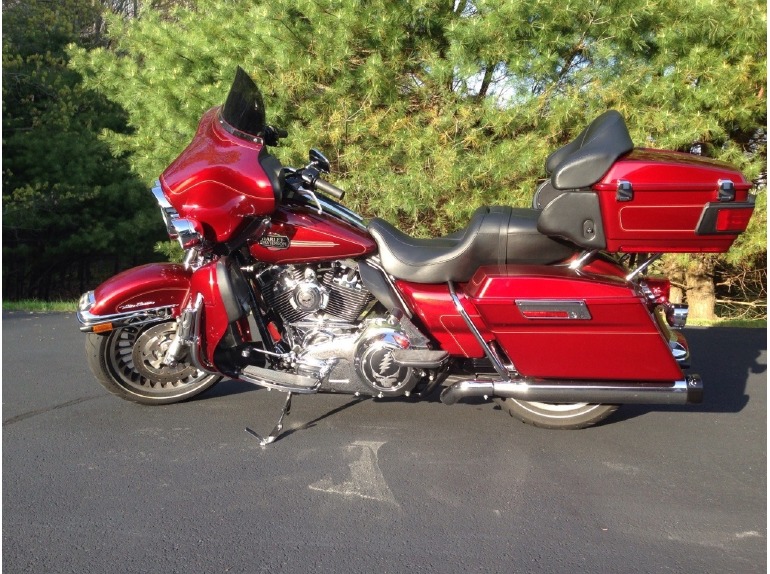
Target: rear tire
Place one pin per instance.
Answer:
(128, 363)
(557, 416)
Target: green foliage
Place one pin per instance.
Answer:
(66, 198)
(171, 250)
(32, 306)
(430, 108)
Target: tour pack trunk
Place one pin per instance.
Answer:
(653, 201)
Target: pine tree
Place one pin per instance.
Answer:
(431, 108)
(67, 201)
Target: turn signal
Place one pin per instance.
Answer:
(102, 328)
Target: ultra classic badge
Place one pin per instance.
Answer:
(274, 241)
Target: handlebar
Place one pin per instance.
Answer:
(325, 187)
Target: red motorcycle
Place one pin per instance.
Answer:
(547, 310)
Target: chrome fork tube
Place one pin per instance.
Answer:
(183, 337)
(188, 335)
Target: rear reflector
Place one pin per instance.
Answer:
(727, 218)
(735, 220)
(545, 314)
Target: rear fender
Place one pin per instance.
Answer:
(142, 294)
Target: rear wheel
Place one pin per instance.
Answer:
(128, 362)
(555, 415)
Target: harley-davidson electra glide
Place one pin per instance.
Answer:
(547, 310)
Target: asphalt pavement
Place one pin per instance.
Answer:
(92, 483)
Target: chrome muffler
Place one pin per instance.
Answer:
(687, 391)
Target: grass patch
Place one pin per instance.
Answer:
(38, 306)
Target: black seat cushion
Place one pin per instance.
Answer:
(495, 236)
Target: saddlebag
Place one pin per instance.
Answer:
(556, 323)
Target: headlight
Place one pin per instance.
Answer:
(186, 233)
(183, 230)
(167, 210)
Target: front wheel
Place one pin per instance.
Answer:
(128, 362)
(557, 416)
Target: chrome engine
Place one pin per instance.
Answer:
(316, 293)
(328, 323)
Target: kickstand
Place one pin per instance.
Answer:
(275, 433)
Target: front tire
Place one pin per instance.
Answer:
(557, 416)
(128, 363)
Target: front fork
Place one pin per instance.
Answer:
(187, 336)
(213, 326)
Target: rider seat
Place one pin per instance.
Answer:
(495, 236)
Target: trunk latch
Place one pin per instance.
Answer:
(726, 190)
(625, 191)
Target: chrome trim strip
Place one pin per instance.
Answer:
(88, 320)
(167, 210)
(574, 309)
(488, 351)
(160, 197)
(584, 258)
(686, 391)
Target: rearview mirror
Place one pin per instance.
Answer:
(320, 161)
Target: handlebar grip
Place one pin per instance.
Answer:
(329, 189)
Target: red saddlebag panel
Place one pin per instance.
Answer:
(554, 323)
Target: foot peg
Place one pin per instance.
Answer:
(276, 432)
(279, 380)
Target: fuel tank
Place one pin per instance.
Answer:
(299, 234)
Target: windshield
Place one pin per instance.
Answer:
(244, 109)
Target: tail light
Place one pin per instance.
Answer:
(733, 220)
(726, 218)
(658, 289)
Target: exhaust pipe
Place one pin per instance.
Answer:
(686, 391)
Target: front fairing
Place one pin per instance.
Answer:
(225, 178)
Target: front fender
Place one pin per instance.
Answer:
(147, 292)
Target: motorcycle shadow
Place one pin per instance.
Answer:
(726, 358)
